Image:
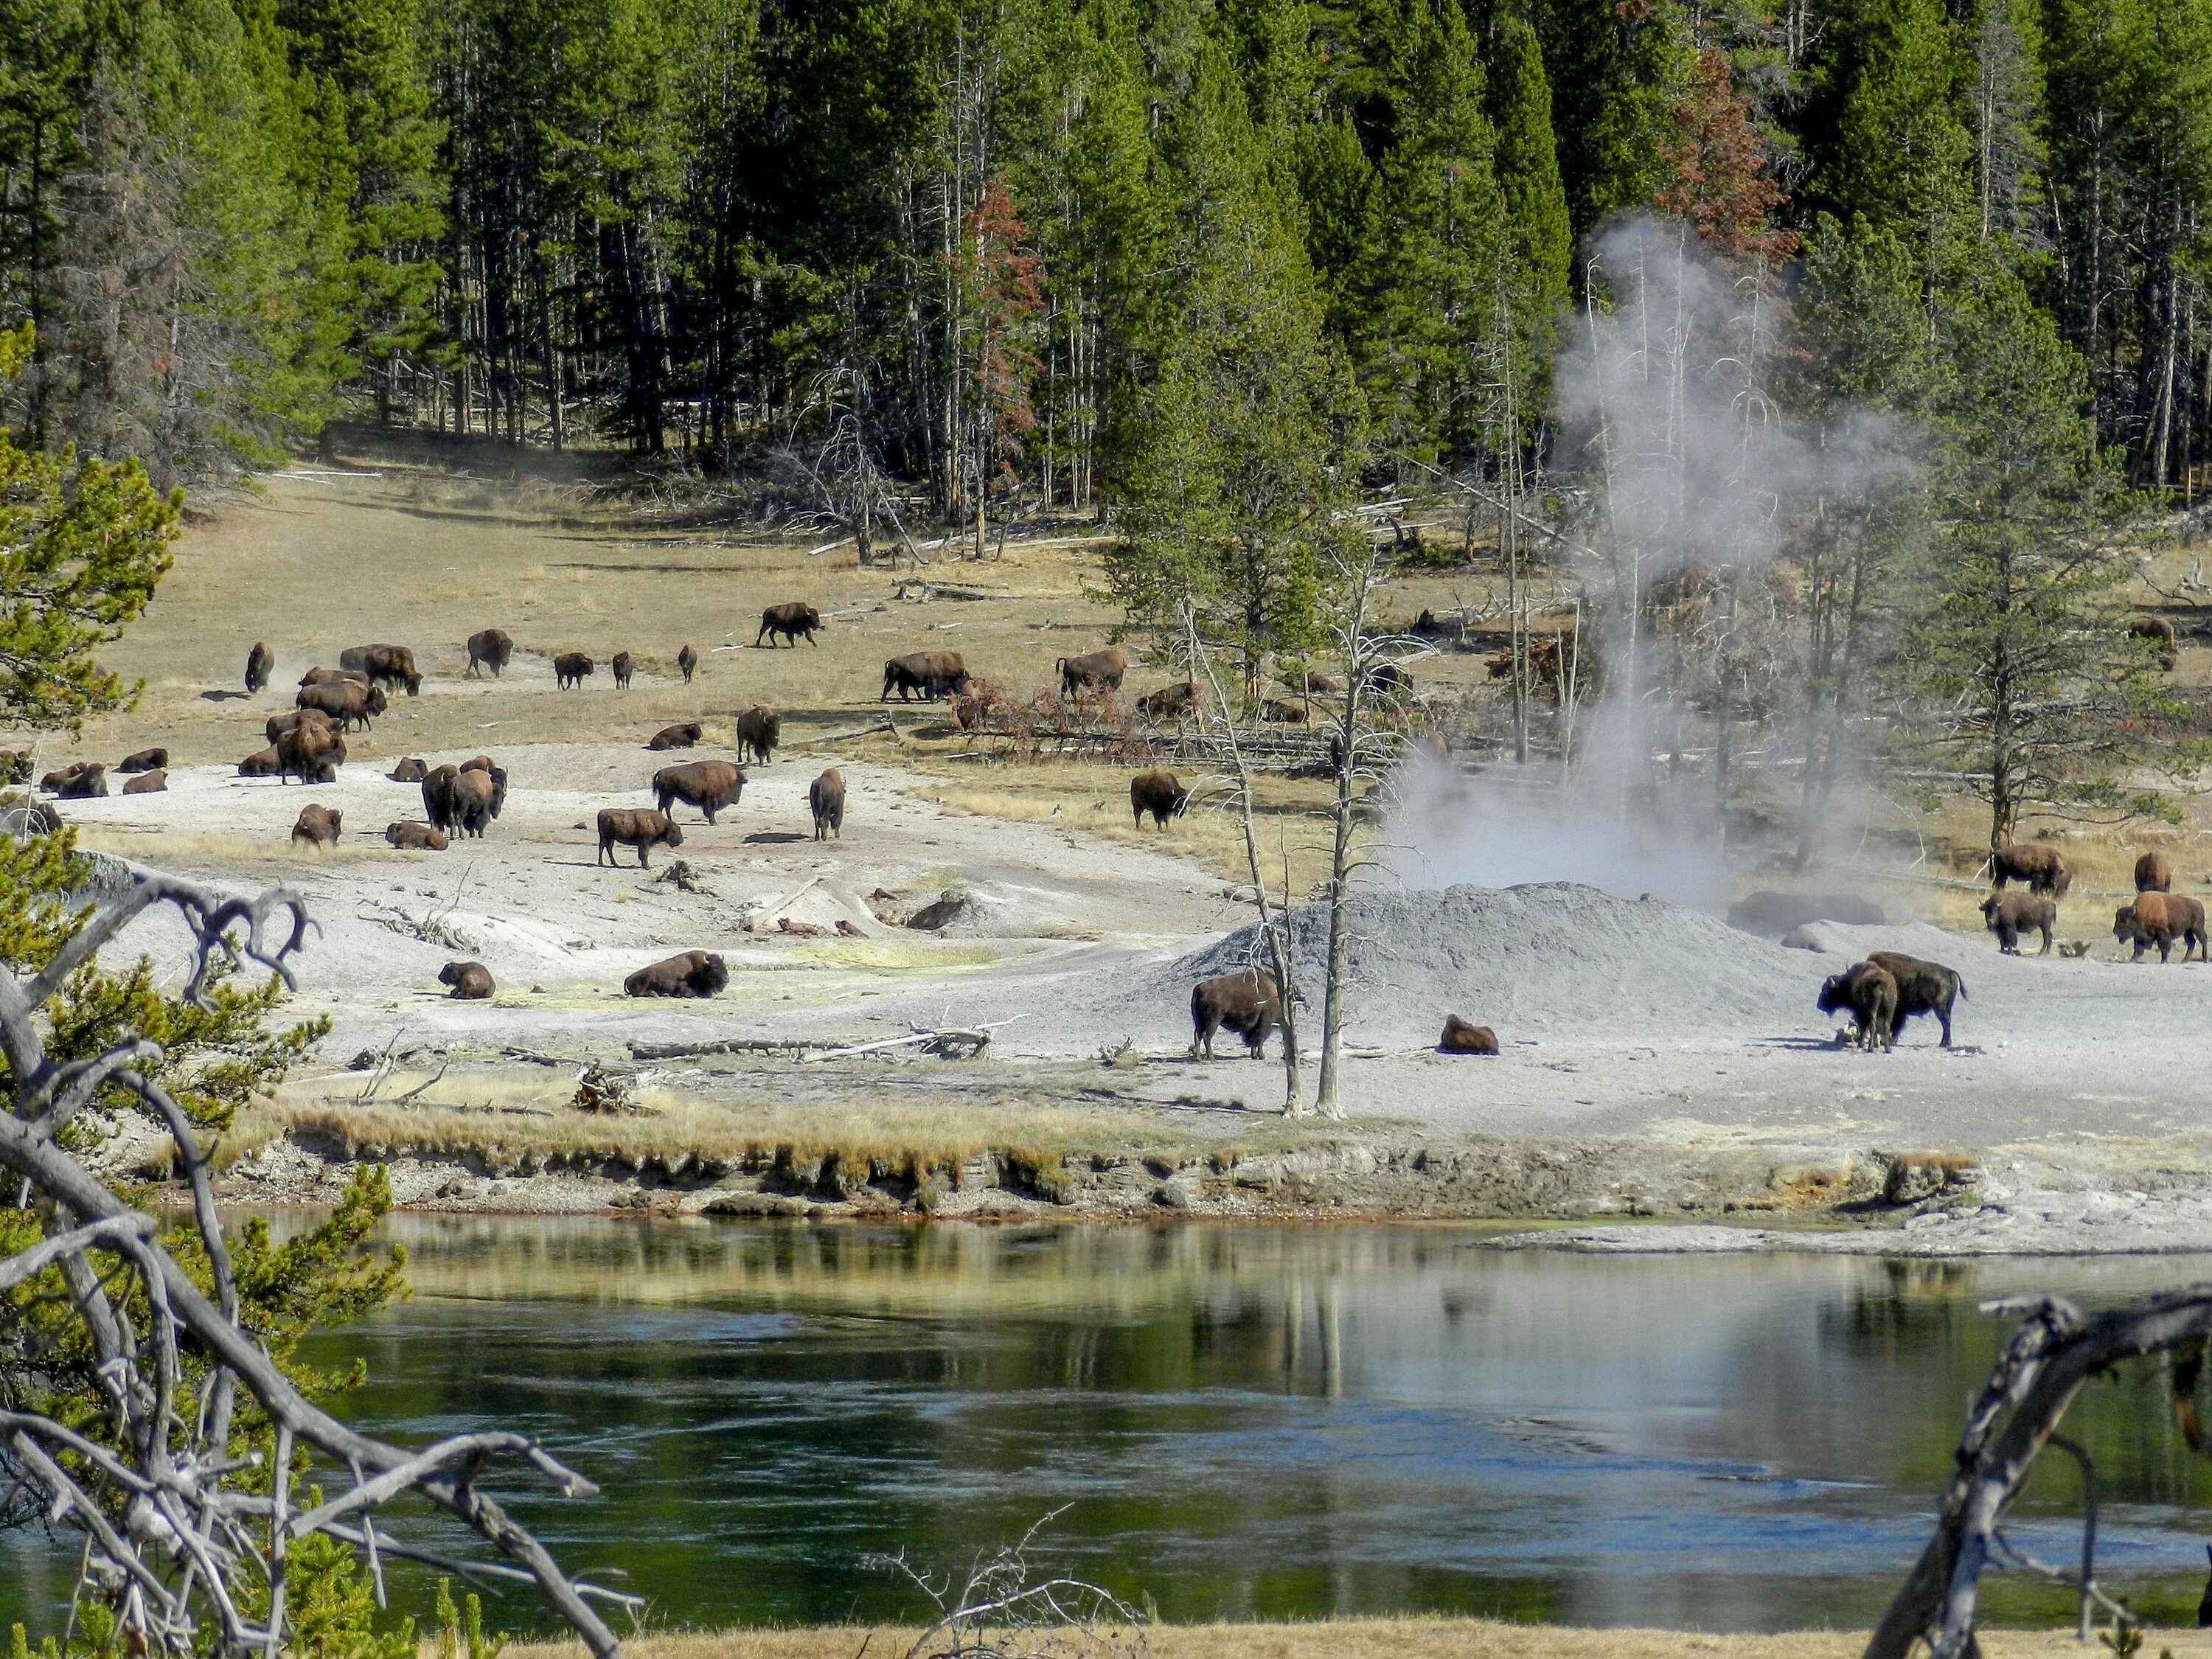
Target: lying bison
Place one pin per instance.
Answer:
(1095, 670)
(53, 780)
(788, 622)
(710, 786)
(148, 783)
(2160, 918)
(83, 781)
(1245, 1002)
(2006, 915)
(1170, 702)
(317, 826)
(825, 798)
(391, 666)
(2039, 868)
(623, 665)
(489, 647)
(260, 663)
(759, 730)
(2153, 874)
(639, 827)
(1867, 992)
(933, 674)
(409, 770)
(1160, 793)
(687, 663)
(694, 973)
(471, 982)
(145, 760)
(1922, 987)
(1461, 1038)
(570, 668)
(263, 763)
(677, 737)
(416, 837)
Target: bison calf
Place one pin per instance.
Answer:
(825, 797)
(146, 760)
(489, 647)
(640, 827)
(472, 980)
(1922, 987)
(2006, 913)
(317, 825)
(694, 973)
(2160, 918)
(416, 837)
(1461, 1038)
(2039, 868)
(1245, 1002)
(687, 660)
(1160, 793)
(1867, 992)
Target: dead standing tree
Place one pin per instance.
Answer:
(188, 1549)
(2053, 1355)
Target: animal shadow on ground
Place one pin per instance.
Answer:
(1803, 1045)
(222, 695)
(774, 837)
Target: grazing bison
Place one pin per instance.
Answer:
(2039, 868)
(570, 668)
(260, 662)
(759, 730)
(2153, 874)
(2157, 632)
(1461, 1038)
(472, 980)
(1867, 992)
(1277, 712)
(313, 749)
(1922, 987)
(416, 837)
(2160, 918)
(317, 825)
(265, 763)
(145, 760)
(85, 780)
(1246, 1002)
(1160, 793)
(489, 647)
(1096, 671)
(625, 665)
(677, 737)
(1169, 700)
(346, 702)
(687, 660)
(639, 827)
(788, 622)
(934, 674)
(2006, 915)
(409, 770)
(825, 797)
(148, 783)
(710, 786)
(391, 666)
(694, 973)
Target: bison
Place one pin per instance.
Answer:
(1096, 670)
(623, 665)
(789, 621)
(2160, 918)
(84, 781)
(825, 797)
(61, 775)
(475, 797)
(313, 749)
(145, 760)
(639, 827)
(1461, 1038)
(934, 674)
(1867, 992)
(317, 825)
(438, 797)
(1160, 793)
(710, 786)
(570, 669)
(1169, 700)
(390, 666)
(694, 973)
(333, 677)
(471, 982)
(2006, 915)
(1246, 1002)
(2039, 868)
(264, 764)
(148, 783)
(677, 737)
(489, 647)
(1277, 713)
(759, 730)
(260, 663)
(2153, 874)
(2157, 632)
(409, 770)
(416, 837)
(1922, 987)
(687, 661)
(277, 724)
(346, 702)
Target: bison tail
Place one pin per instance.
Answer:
(1962, 987)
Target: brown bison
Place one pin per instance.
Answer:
(346, 702)
(570, 669)
(472, 980)
(710, 786)
(677, 737)
(759, 730)
(260, 663)
(1390, 682)
(687, 661)
(1160, 793)
(416, 837)
(463, 798)
(2153, 874)
(1867, 992)
(277, 724)
(1096, 671)
(2160, 918)
(1169, 700)
(317, 825)
(391, 666)
(934, 674)
(148, 783)
(86, 779)
(333, 677)
(2038, 867)
(477, 763)
(2006, 915)
(2158, 634)
(264, 764)
(409, 770)
(1461, 1038)
(1245, 1002)
(694, 973)
(623, 665)
(313, 749)
(1922, 987)
(825, 797)
(489, 647)
(1275, 711)
(788, 622)
(52, 781)
(145, 760)
(639, 827)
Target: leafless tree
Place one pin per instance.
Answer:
(1000, 1608)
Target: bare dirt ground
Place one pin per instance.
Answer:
(2069, 1116)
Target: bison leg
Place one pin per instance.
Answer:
(1943, 1014)
(643, 848)
(606, 848)
(2045, 950)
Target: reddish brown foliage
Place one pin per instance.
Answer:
(1720, 184)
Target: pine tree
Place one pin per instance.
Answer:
(1616, 68)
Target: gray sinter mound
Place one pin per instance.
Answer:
(1547, 959)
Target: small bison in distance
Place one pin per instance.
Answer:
(1461, 1038)
(146, 760)
(570, 668)
(2160, 918)
(1245, 1002)
(1867, 991)
(391, 666)
(788, 622)
(317, 825)
(934, 674)
(1922, 987)
(623, 665)
(694, 973)
(2006, 915)
(2039, 868)
(260, 663)
(489, 647)
(2153, 874)
(677, 737)
(1096, 671)
(639, 827)
(825, 798)
(687, 660)
(1170, 702)
(472, 980)
(1160, 793)
(759, 730)
(415, 837)
(710, 786)
(2157, 632)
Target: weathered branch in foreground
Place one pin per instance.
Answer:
(170, 1535)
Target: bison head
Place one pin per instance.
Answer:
(1835, 993)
